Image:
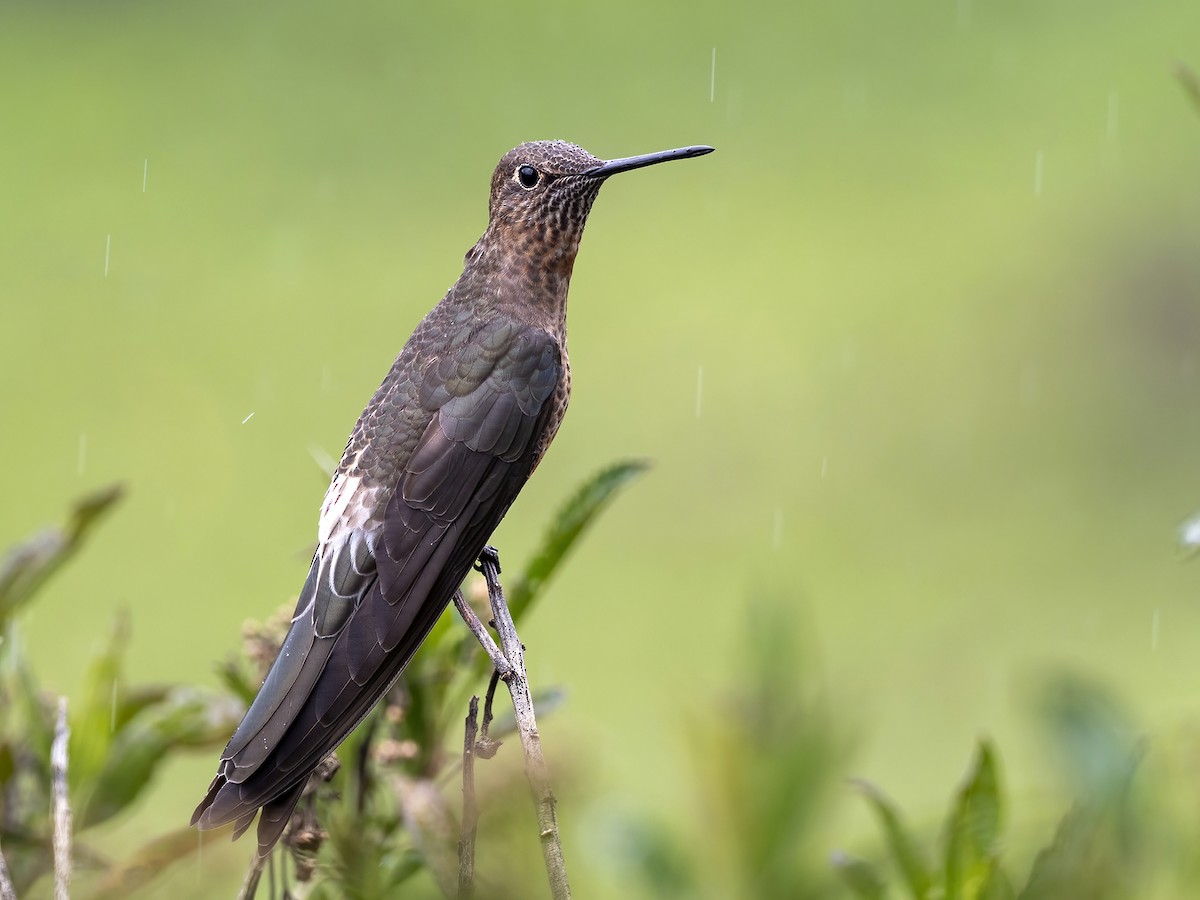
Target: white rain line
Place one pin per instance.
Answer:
(145, 172)
(248, 418)
(107, 250)
(323, 460)
(712, 84)
(824, 465)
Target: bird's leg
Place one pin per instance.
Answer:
(485, 640)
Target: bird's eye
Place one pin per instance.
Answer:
(528, 176)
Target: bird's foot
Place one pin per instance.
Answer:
(488, 554)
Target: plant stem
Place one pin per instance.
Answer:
(470, 814)
(62, 804)
(536, 769)
(7, 891)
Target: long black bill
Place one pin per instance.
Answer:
(613, 166)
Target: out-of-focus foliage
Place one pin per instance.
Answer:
(386, 813)
(769, 756)
(120, 733)
(918, 341)
(1128, 834)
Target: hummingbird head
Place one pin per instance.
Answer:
(542, 191)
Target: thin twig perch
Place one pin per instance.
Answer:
(7, 891)
(509, 660)
(62, 804)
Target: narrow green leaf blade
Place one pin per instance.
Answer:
(572, 520)
(973, 829)
(189, 718)
(93, 726)
(903, 848)
(27, 567)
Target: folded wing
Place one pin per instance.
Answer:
(372, 596)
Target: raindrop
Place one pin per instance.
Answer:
(145, 172)
(323, 460)
(107, 248)
(248, 418)
(1189, 535)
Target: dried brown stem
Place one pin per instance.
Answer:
(7, 891)
(62, 804)
(470, 814)
(487, 746)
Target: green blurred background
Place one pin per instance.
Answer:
(917, 350)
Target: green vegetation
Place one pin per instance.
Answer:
(938, 284)
(769, 760)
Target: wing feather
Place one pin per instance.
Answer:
(372, 597)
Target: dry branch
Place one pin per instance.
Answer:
(62, 804)
(7, 891)
(509, 662)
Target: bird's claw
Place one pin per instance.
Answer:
(488, 554)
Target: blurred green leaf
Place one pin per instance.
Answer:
(1190, 81)
(860, 876)
(1092, 736)
(188, 718)
(973, 830)
(27, 566)
(579, 512)
(93, 726)
(147, 862)
(901, 845)
(37, 721)
(649, 850)
(233, 674)
(1097, 849)
(1069, 866)
(132, 700)
(7, 765)
(770, 758)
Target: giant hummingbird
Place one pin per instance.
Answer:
(459, 423)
